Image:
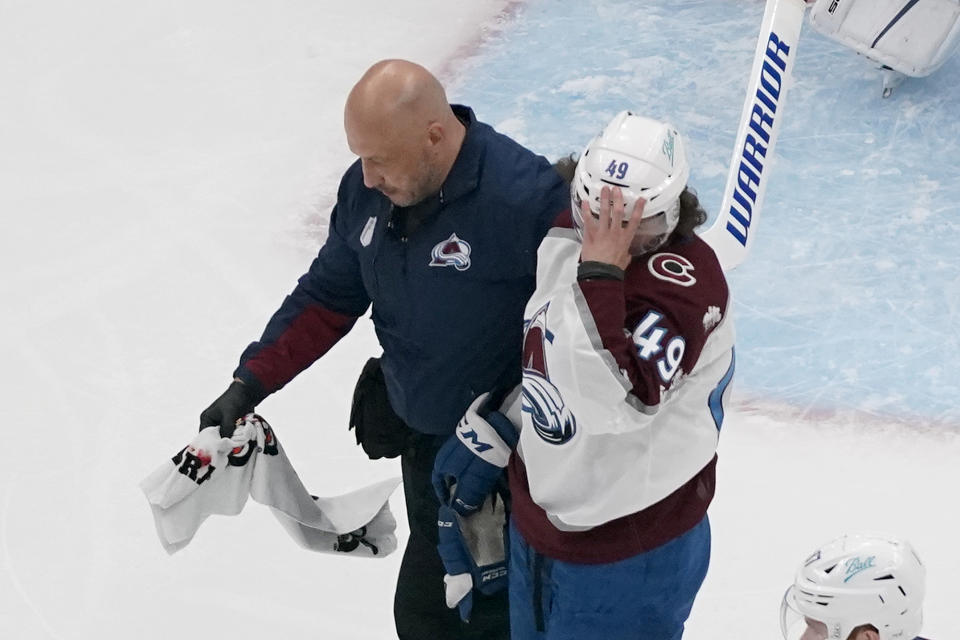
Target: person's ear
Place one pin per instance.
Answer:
(435, 133)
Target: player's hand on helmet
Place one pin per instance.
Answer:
(607, 235)
(233, 404)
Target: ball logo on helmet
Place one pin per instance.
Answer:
(668, 146)
(853, 566)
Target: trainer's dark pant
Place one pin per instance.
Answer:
(419, 608)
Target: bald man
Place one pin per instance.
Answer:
(399, 123)
(437, 226)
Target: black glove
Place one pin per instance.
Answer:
(237, 401)
(379, 430)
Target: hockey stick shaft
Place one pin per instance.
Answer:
(732, 233)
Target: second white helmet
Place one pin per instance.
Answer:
(646, 158)
(854, 580)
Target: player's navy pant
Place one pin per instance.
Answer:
(645, 597)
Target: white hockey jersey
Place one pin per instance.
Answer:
(623, 384)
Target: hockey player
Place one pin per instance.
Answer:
(857, 587)
(628, 356)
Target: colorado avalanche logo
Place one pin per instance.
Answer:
(451, 252)
(549, 415)
(671, 267)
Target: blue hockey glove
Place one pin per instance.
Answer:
(472, 517)
(469, 464)
(473, 551)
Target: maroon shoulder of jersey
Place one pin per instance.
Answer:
(685, 282)
(564, 220)
(656, 322)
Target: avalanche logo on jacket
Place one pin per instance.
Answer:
(549, 415)
(451, 252)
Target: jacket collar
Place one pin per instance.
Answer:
(464, 175)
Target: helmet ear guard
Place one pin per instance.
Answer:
(855, 580)
(646, 159)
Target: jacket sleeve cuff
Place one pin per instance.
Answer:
(253, 387)
(592, 270)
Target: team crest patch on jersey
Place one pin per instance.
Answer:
(552, 420)
(452, 252)
(367, 234)
(672, 268)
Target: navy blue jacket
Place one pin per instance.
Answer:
(448, 299)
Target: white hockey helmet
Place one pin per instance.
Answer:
(855, 580)
(646, 159)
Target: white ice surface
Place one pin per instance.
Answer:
(165, 171)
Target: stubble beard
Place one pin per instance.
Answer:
(428, 183)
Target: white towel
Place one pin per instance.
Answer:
(214, 475)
